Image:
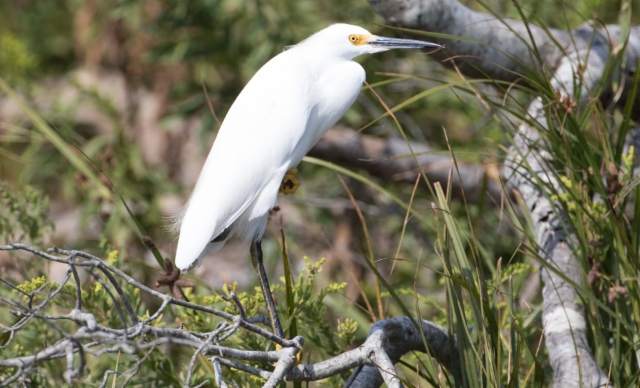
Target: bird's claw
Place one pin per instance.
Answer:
(289, 183)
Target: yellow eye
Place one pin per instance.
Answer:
(353, 38)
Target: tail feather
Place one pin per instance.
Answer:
(175, 220)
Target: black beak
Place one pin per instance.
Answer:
(381, 41)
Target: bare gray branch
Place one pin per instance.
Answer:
(575, 62)
(387, 342)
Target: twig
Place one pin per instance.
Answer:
(218, 372)
(98, 340)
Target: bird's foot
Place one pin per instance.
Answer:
(289, 183)
(171, 277)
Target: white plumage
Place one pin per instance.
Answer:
(281, 113)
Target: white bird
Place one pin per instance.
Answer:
(281, 113)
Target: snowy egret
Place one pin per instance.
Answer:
(282, 112)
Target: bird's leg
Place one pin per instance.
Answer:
(289, 183)
(256, 259)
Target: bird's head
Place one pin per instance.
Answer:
(349, 41)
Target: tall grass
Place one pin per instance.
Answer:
(594, 185)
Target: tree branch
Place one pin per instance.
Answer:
(400, 337)
(498, 48)
(388, 340)
(507, 50)
(527, 168)
(391, 160)
(491, 46)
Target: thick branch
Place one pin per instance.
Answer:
(387, 342)
(501, 48)
(505, 41)
(528, 169)
(391, 160)
(401, 337)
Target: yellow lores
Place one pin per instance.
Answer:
(360, 39)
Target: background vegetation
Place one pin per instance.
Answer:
(123, 83)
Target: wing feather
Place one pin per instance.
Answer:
(256, 139)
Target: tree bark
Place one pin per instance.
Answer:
(401, 337)
(501, 49)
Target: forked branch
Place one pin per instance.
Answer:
(138, 337)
